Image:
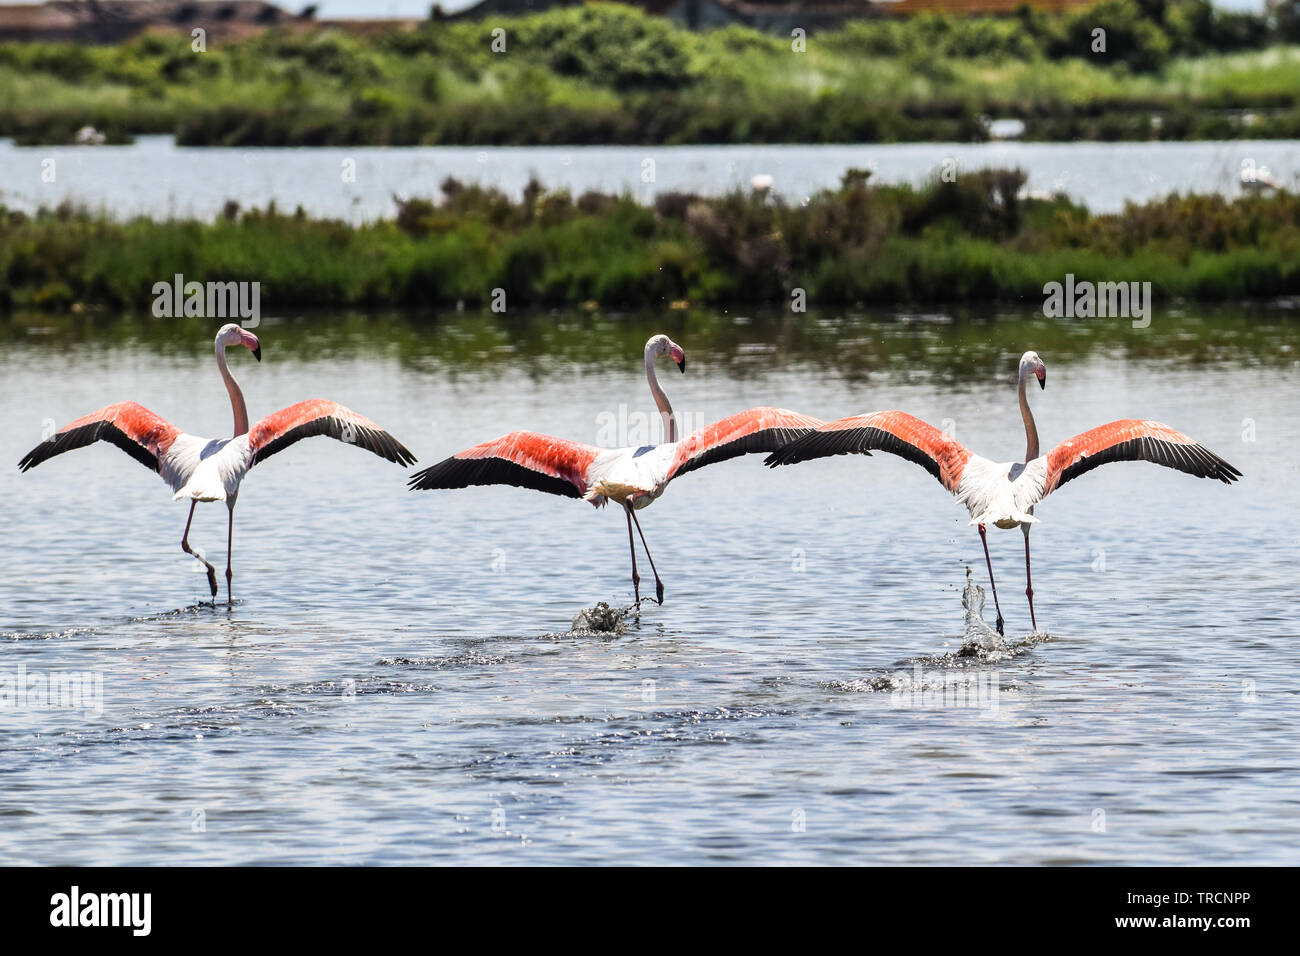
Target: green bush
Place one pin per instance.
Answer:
(975, 239)
(606, 73)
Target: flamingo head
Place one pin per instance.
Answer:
(232, 334)
(1030, 363)
(663, 345)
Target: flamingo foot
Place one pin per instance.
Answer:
(659, 591)
(212, 582)
(1001, 632)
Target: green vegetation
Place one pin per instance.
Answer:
(603, 73)
(973, 240)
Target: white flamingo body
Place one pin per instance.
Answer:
(209, 469)
(638, 475)
(1001, 493)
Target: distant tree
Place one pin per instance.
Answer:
(1286, 19)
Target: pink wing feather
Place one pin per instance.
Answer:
(895, 432)
(140, 433)
(761, 429)
(318, 416)
(1133, 439)
(524, 459)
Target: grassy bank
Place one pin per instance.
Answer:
(973, 240)
(1174, 69)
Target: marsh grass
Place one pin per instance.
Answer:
(604, 73)
(975, 240)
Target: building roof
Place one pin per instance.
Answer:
(964, 8)
(111, 20)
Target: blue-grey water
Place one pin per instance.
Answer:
(395, 685)
(153, 177)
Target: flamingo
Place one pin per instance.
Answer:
(631, 477)
(1004, 494)
(203, 469)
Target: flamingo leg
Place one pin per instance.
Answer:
(1029, 581)
(989, 561)
(631, 545)
(659, 585)
(185, 546)
(230, 536)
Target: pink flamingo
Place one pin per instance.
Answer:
(1004, 494)
(632, 477)
(203, 469)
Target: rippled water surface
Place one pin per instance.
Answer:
(395, 684)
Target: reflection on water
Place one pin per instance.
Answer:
(967, 344)
(400, 679)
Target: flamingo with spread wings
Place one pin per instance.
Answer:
(202, 469)
(632, 477)
(1004, 494)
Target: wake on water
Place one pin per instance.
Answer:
(190, 610)
(981, 645)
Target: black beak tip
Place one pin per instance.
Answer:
(1042, 383)
(257, 353)
(682, 364)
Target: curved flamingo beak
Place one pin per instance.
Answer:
(1041, 372)
(250, 341)
(678, 356)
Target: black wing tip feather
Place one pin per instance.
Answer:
(1223, 471)
(821, 444)
(764, 440)
(33, 458)
(374, 440)
(85, 435)
(427, 479)
(463, 472)
(1191, 459)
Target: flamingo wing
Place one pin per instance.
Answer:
(318, 416)
(895, 432)
(1132, 439)
(523, 459)
(762, 429)
(131, 427)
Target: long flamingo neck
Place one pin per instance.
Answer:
(236, 394)
(1031, 431)
(665, 409)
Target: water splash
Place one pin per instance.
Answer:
(978, 639)
(602, 620)
(981, 645)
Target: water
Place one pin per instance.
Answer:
(155, 178)
(395, 684)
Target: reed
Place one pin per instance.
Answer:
(974, 240)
